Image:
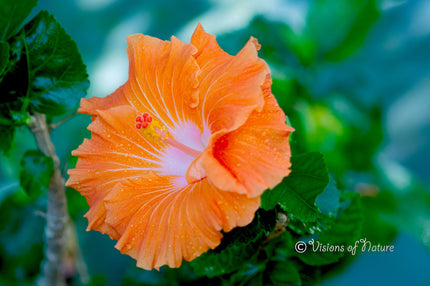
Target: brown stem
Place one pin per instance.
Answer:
(55, 125)
(57, 215)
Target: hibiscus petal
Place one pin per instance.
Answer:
(90, 106)
(252, 158)
(116, 151)
(173, 220)
(230, 86)
(265, 136)
(233, 90)
(163, 79)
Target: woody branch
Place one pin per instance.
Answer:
(57, 215)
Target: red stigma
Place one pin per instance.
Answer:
(142, 121)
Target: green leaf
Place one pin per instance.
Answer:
(46, 72)
(297, 192)
(231, 259)
(328, 204)
(43, 72)
(263, 224)
(237, 247)
(4, 57)
(58, 75)
(345, 232)
(12, 15)
(36, 172)
(322, 223)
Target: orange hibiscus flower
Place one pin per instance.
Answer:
(183, 150)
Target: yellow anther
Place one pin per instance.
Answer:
(155, 132)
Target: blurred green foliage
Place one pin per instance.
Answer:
(360, 198)
(36, 172)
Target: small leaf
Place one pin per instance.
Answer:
(4, 57)
(297, 192)
(344, 232)
(36, 172)
(12, 15)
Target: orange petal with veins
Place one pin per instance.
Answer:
(257, 154)
(174, 220)
(230, 86)
(163, 79)
(90, 106)
(115, 152)
(248, 150)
